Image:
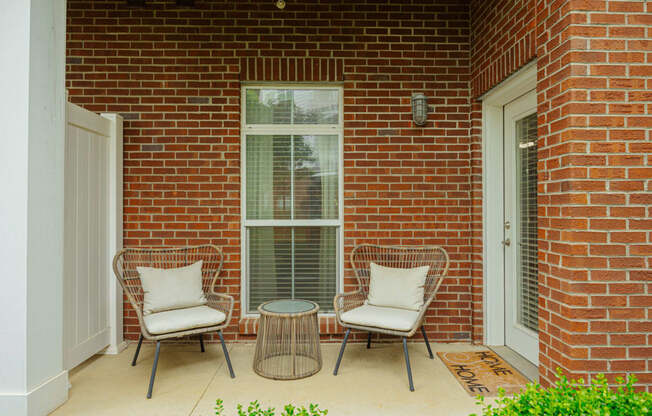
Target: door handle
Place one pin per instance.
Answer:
(506, 242)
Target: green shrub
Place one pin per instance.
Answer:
(254, 409)
(573, 399)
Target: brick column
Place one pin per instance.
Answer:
(594, 61)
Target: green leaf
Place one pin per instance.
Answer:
(573, 398)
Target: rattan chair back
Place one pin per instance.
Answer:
(403, 257)
(125, 265)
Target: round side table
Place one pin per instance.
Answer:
(287, 345)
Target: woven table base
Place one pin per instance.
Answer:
(287, 346)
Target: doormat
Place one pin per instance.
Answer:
(483, 372)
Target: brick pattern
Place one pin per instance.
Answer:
(475, 180)
(595, 130)
(502, 40)
(174, 73)
(327, 326)
(594, 182)
(292, 69)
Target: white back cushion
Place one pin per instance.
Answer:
(166, 289)
(397, 288)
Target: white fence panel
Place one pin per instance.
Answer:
(93, 218)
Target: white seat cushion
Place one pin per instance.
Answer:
(166, 289)
(183, 319)
(391, 287)
(381, 317)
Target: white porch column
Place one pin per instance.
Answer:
(32, 116)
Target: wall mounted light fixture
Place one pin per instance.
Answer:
(419, 109)
(280, 4)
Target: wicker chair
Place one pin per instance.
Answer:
(397, 257)
(124, 267)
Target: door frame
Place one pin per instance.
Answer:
(493, 266)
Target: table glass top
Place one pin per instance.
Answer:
(288, 306)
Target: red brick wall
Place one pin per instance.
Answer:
(594, 77)
(174, 74)
(595, 130)
(502, 41)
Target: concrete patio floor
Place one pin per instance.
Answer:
(370, 382)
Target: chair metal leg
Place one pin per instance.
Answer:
(339, 358)
(369, 340)
(226, 354)
(425, 338)
(140, 342)
(201, 341)
(407, 363)
(151, 379)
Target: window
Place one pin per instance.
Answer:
(292, 138)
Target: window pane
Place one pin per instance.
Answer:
(269, 106)
(268, 177)
(278, 106)
(275, 272)
(316, 106)
(270, 265)
(312, 185)
(316, 177)
(315, 265)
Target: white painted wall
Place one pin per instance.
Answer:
(32, 113)
(14, 43)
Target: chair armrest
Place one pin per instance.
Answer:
(221, 302)
(344, 302)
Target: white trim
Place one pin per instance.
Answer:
(116, 338)
(339, 287)
(292, 223)
(287, 85)
(41, 400)
(244, 240)
(114, 350)
(299, 129)
(513, 87)
(492, 201)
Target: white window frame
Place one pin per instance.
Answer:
(298, 129)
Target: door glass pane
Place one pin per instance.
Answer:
(528, 292)
(292, 263)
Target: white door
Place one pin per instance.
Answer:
(520, 227)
